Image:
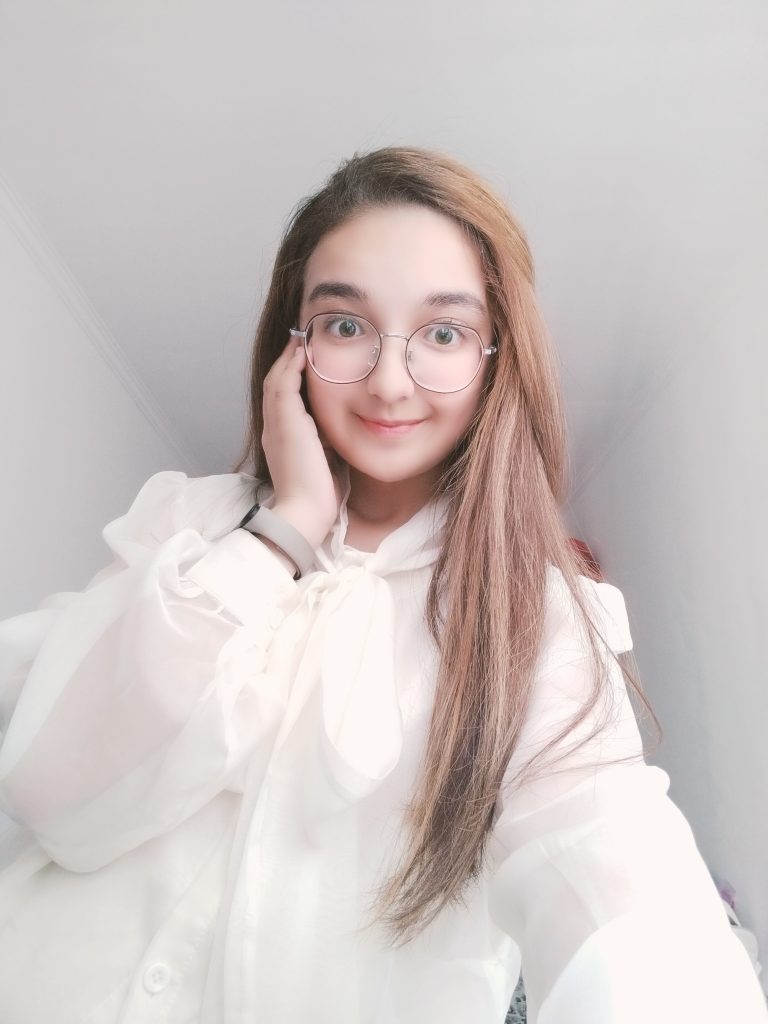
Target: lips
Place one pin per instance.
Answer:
(389, 428)
(392, 423)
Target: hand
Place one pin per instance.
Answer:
(307, 491)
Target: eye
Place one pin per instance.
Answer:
(343, 327)
(444, 335)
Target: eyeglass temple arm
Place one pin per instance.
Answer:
(296, 333)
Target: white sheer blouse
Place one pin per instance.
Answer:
(206, 765)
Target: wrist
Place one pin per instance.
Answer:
(302, 520)
(266, 524)
(278, 552)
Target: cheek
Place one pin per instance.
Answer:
(325, 404)
(463, 412)
(317, 390)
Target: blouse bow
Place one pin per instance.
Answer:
(349, 658)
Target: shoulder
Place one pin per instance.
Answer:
(171, 501)
(604, 601)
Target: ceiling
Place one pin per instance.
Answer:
(161, 145)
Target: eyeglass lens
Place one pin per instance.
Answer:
(441, 357)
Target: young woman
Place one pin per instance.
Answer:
(346, 738)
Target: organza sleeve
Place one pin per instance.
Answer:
(133, 703)
(597, 876)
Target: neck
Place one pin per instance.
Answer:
(378, 502)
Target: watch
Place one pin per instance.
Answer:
(263, 522)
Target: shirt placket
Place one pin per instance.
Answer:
(178, 950)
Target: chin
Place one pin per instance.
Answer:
(383, 470)
(383, 476)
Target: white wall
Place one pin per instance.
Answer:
(78, 435)
(676, 516)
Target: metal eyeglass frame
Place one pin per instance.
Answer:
(486, 350)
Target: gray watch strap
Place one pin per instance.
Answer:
(263, 522)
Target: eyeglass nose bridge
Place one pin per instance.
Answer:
(375, 354)
(296, 333)
(408, 355)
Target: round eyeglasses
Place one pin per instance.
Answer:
(343, 348)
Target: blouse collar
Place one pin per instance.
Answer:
(413, 545)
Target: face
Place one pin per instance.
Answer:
(384, 265)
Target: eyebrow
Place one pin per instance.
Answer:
(340, 290)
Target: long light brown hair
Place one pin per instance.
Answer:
(504, 484)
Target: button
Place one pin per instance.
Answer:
(156, 978)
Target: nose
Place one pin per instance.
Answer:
(389, 380)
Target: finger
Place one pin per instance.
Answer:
(292, 352)
(287, 360)
(293, 368)
(288, 350)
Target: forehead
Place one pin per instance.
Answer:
(397, 255)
